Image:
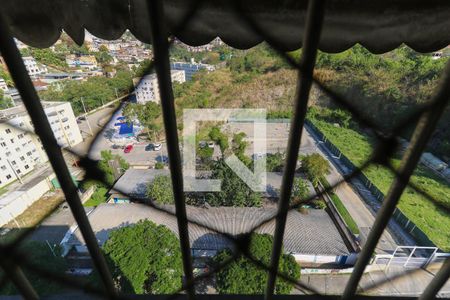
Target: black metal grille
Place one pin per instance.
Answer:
(12, 261)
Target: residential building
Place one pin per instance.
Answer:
(20, 149)
(32, 66)
(82, 61)
(3, 85)
(147, 89)
(190, 68)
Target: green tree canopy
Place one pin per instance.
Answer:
(145, 258)
(243, 277)
(315, 167)
(160, 190)
(234, 192)
(299, 190)
(219, 137)
(147, 114)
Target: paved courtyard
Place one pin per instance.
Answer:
(312, 233)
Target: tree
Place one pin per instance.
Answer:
(5, 102)
(239, 146)
(315, 167)
(243, 277)
(39, 255)
(145, 258)
(219, 137)
(147, 115)
(160, 190)
(299, 190)
(234, 192)
(275, 162)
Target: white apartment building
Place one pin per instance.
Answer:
(21, 150)
(3, 85)
(32, 66)
(148, 89)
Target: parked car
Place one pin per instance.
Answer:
(82, 118)
(210, 144)
(157, 146)
(128, 149)
(149, 147)
(202, 144)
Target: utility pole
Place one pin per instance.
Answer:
(85, 116)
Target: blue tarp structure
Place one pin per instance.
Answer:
(126, 128)
(120, 118)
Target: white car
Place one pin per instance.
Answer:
(157, 147)
(211, 144)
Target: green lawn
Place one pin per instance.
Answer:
(97, 198)
(430, 218)
(341, 209)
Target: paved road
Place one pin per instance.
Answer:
(55, 226)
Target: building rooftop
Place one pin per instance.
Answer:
(312, 233)
(134, 181)
(20, 110)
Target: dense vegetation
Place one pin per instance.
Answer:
(428, 216)
(148, 115)
(145, 259)
(40, 256)
(234, 192)
(95, 91)
(315, 167)
(244, 277)
(5, 101)
(160, 190)
(46, 57)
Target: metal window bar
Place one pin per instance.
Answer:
(42, 127)
(162, 67)
(311, 40)
(169, 120)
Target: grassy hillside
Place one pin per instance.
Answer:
(429, 217)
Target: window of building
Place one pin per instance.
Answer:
(8, 130)
(22, 158)
(13, 163)
(27, 167)
(17, 149)
(3, 144)
(8, 176)
(3, 167)
(29, 153)
(20, 136)
(18, 171)
(12, 141)
(8, 153)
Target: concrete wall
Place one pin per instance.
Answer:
(19, 201)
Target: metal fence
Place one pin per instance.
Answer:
(12, 261)
(409, 226)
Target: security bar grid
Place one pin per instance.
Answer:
(12, 261)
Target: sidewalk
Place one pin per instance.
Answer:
(395, 281)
